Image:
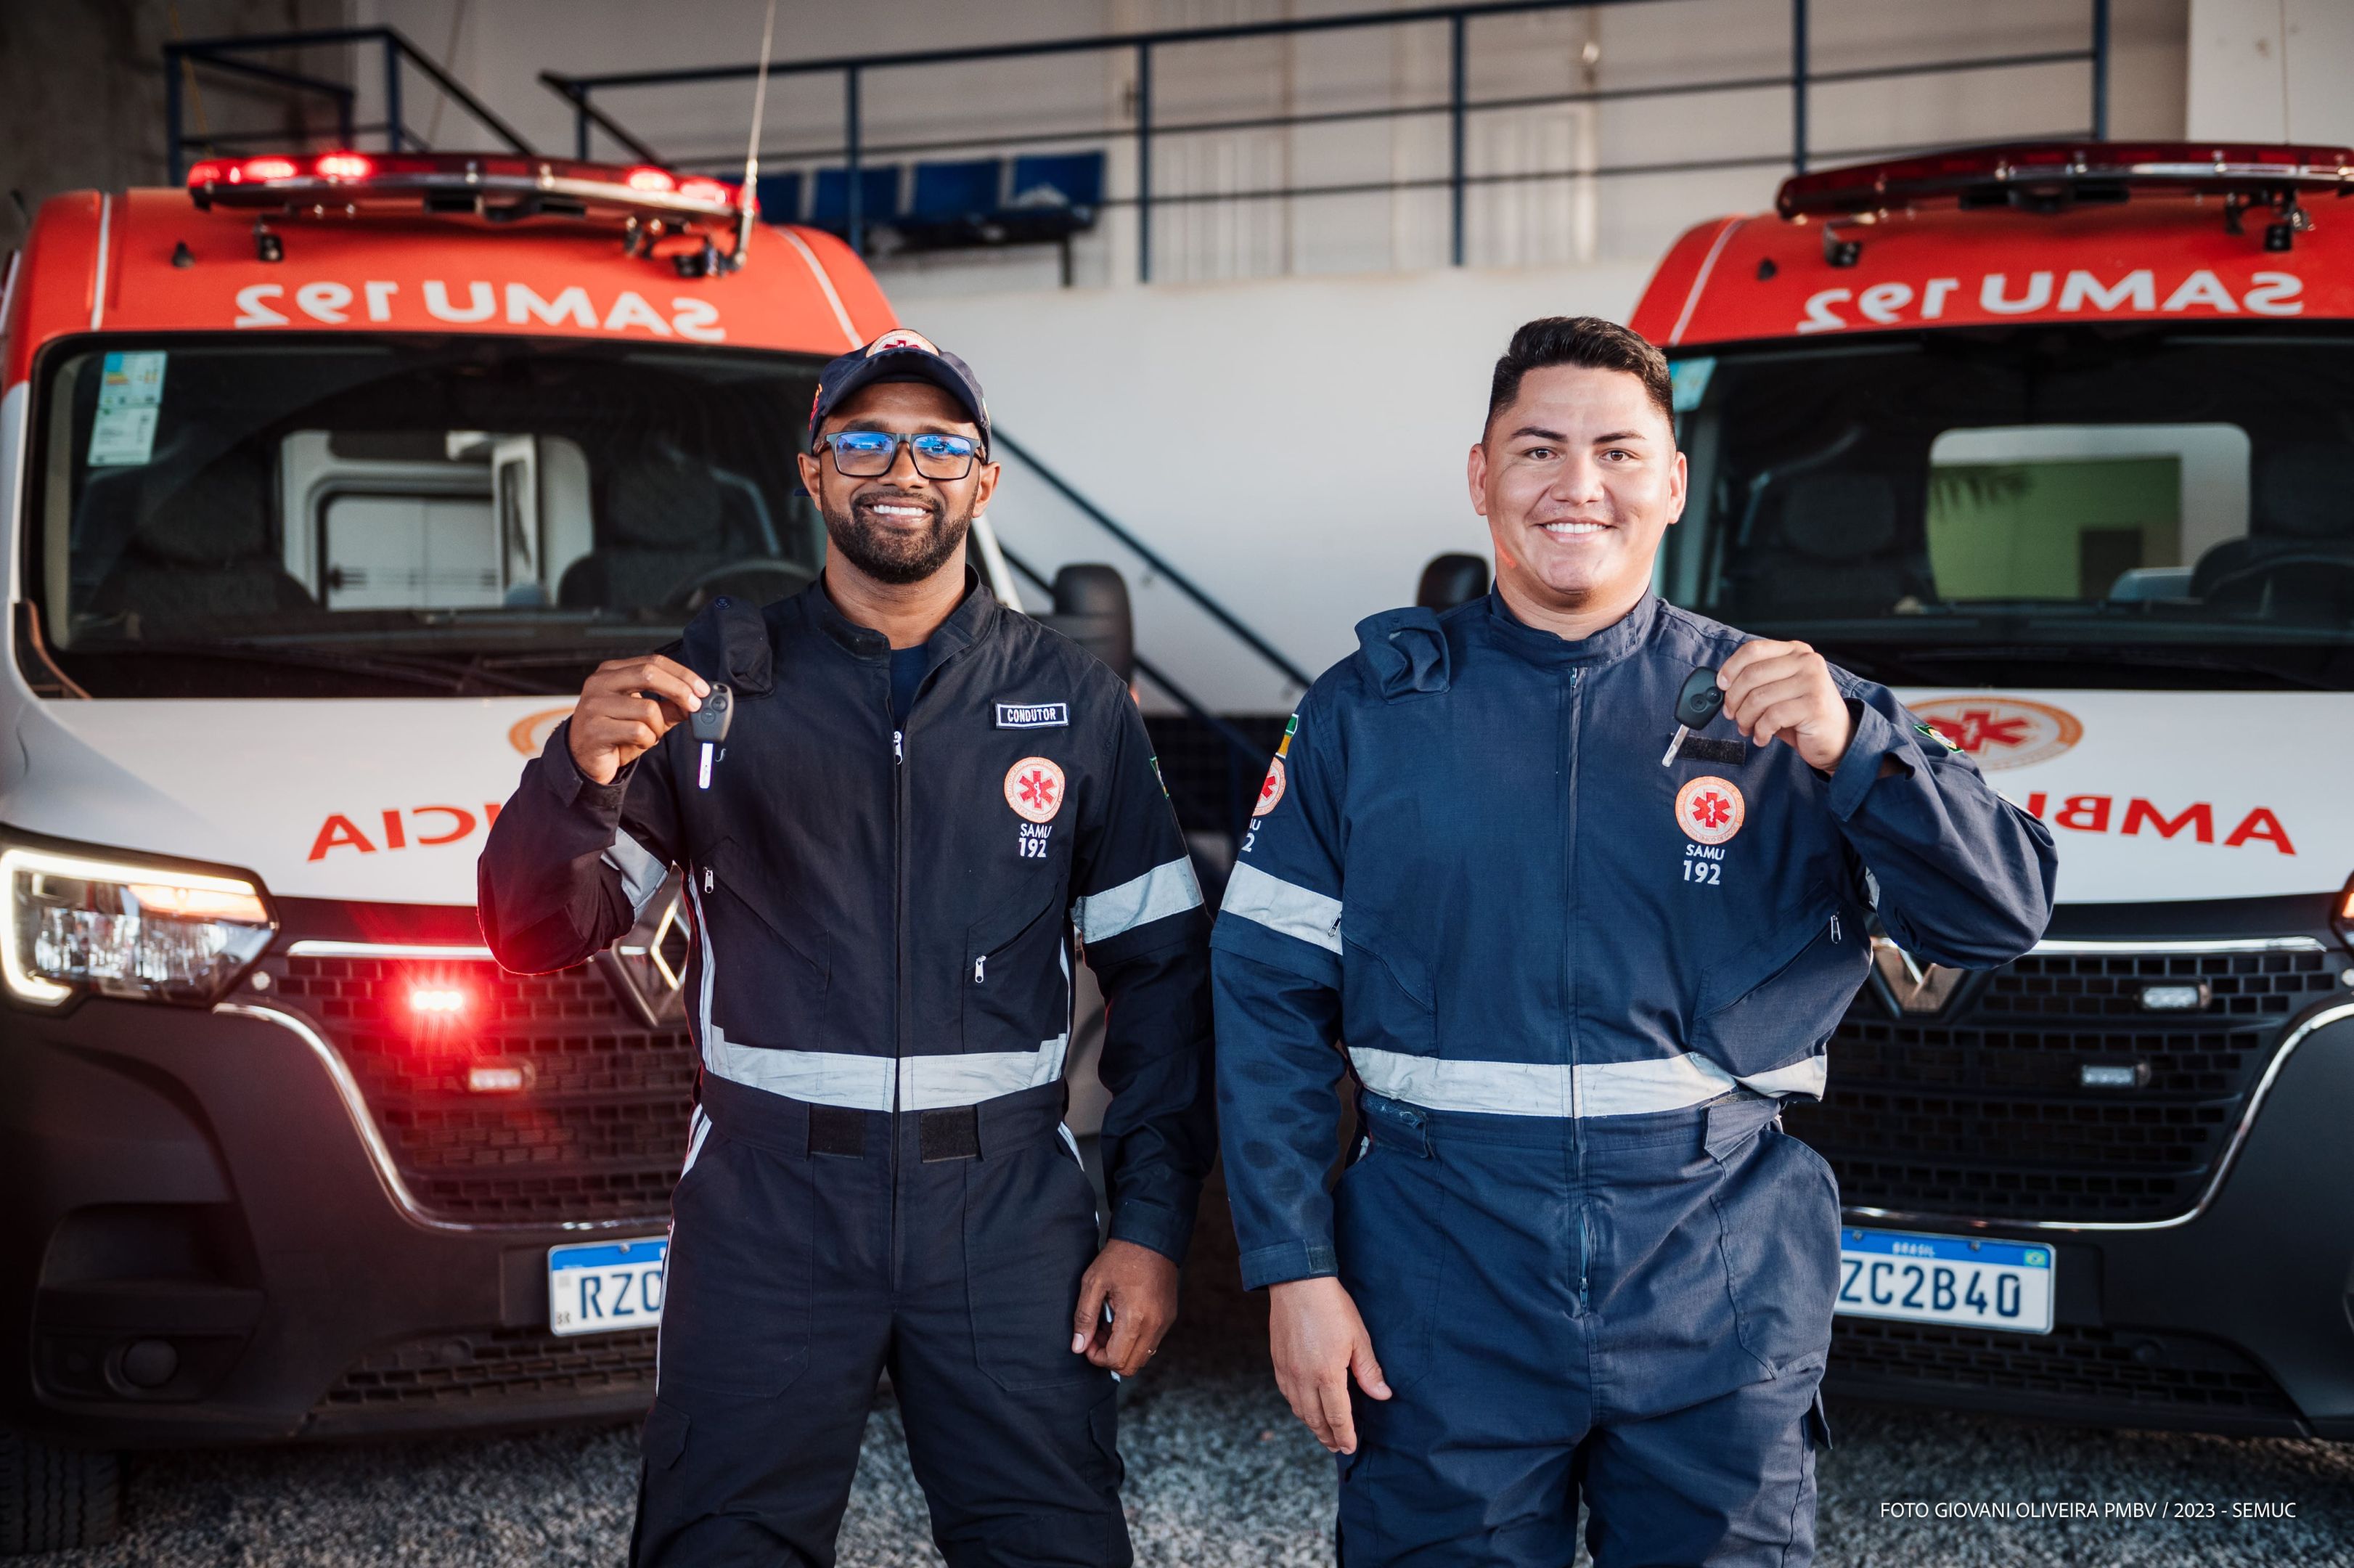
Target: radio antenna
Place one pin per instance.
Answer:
(746, 197)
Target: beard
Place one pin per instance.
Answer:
(891, 554)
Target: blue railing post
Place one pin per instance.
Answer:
(1454, 99)
(857, 213)
(2100, 71)
(1798, 86)
(1144, 163)
(392, 129)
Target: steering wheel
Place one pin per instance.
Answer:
(692, 594)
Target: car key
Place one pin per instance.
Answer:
(709, 723)
(1699, 702)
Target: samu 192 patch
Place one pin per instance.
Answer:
(1033, 715)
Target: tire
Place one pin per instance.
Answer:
(53, 1499)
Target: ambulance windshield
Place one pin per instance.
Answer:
(334, 516)
(2077, 506)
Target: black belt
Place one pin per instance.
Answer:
(791, 1126)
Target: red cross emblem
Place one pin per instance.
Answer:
(1710, 810)
(1033, 787)
(1271, 791)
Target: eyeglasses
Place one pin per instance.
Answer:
(870, 454)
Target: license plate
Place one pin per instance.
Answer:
(1946, 1279)
(598, 1288)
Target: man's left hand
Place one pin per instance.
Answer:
(1141, 1288)
(1785, 689)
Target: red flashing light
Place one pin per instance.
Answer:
(263, 169)
(646, 178)
(210, 172)
(343, 166)
(438, 1003)
(699, 188)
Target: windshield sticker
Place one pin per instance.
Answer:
(1688, 378)
(130, 401)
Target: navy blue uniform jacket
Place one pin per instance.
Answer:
(885, 920)
(1470, 867)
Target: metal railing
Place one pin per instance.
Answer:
(581, 93)
(233, 56)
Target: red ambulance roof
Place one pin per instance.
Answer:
(115, 263)
(2075, 241)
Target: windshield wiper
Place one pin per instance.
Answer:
(2129, 656)
(416, 672)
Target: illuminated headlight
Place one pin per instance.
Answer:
(118, 927)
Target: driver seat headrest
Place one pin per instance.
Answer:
(1840, 517)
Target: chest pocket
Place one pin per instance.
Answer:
(769, 972)
(1768, 1004)
(1017, 981)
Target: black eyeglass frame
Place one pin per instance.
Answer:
(974, 453)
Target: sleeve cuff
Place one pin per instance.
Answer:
(1164, 1231)
(575, 788)
(1874, 739)
(1288, 1261)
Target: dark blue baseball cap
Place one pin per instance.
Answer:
(899, 356)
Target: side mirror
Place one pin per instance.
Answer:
(1450, 581)
(1091, 609)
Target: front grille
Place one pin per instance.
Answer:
(1983, 1111)
(495, 1364)
(598, 1130)
(2182, 1373)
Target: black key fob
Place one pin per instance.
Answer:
(1700, 701)
(708, 724)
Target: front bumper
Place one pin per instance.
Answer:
(2237, 1317)
(201, 1182)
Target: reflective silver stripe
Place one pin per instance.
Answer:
(1163, 891)
(933, 1083)
(881, 1083)
(1283, 906)
(700, 1129)
(1807, 1075)
(1560, 1090)
(641, 872)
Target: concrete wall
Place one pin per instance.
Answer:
(81, 89)
(2265, 70)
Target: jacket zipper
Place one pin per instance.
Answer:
(1569, 893)
(899, 945)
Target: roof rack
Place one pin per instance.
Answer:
(2047, 177)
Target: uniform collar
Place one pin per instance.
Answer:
(966, 624)
(1538, 646)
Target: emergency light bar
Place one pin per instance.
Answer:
(501, 189)
(2045, 177)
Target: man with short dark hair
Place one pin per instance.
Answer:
(1579, 959)
(919, 800)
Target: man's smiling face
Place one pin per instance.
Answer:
(1578, 477)
(900, 527)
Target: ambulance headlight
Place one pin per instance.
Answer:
(82, 924)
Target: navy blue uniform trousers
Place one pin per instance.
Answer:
(1631, 1308)
(813, 1247)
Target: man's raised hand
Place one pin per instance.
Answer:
(626, 705)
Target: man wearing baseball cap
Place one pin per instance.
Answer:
(918, 801)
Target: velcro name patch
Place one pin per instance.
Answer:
(1033, 715)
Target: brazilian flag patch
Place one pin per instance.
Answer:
(1939, 735)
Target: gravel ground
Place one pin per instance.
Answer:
(1220, 1474)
